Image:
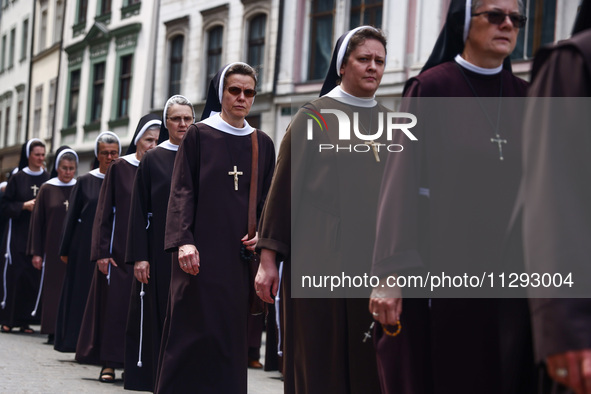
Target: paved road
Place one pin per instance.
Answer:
(28, 365)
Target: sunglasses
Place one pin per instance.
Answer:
(235, 91)
(498, 17)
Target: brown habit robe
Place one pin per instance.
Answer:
(204, 343)
(45, 235)
(20, 279)
(556, 192)
(75, 244)
(145, 242)
(461, 345)
(320, 219)
(102, 333)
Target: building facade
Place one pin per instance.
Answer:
(46, 45)
(15, 55)
(107, 71)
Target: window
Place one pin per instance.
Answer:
(51, 104)
(11, 50)
(124, 86)
(19, 116)
(74, 97)
(105, 7)
(256, 44)
(37, 110)
(321, 28)
(3, 59)
(25, 39)
(176, 65)
(82, 9)
(366, 12)
(59, 21)
(98, 87)
(539, 30)
(214, 53)
(43, 31)
(7, 125)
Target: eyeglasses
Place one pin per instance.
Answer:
(498, 17)
(109, 153)
(235, 91)
(179, 119)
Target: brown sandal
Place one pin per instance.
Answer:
(27, 330)
(6, 329)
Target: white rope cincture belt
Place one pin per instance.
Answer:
(142, 294)
(40, 288)
(111, 245)
(8, 261)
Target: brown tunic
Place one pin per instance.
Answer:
(204, 343)
(45, 235)
(75, 245)
(462, 345)
(102, 333)
(556, 191)
(320, 219)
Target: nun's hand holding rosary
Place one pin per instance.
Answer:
(250, 243)
(103, 265)
(571, 369)
(189, 259)
(385, 303)
(141, 271)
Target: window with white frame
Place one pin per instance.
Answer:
(51, 104)
(539, 28)
(24, 39)
(175, 65)
(214, 52)
(37, 111)
(366, 12)
(256, 44)
(321, 33)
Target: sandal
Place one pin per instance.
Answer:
(107, 377)
(6, 329)
(27, 330)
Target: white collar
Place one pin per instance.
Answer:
(346, 98)
(27, 170)
(169, 146)
(218, 123)
(56, 182)
(478, 70)
(131, 159)
(97, 173)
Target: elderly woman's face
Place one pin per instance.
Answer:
(106, 154)
(235, 103)
(362, 74)
(490, 41)
(66, 170)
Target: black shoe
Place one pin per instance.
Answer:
(50, 339)
(107, 377)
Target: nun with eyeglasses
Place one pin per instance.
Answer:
(75, 243)
(216, 182)
(445, 206)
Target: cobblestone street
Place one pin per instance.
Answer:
(29, 365)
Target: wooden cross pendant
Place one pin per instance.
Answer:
(374, 145)
(35, 188)
(497, 140)
(67, 204)
(235, 174)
